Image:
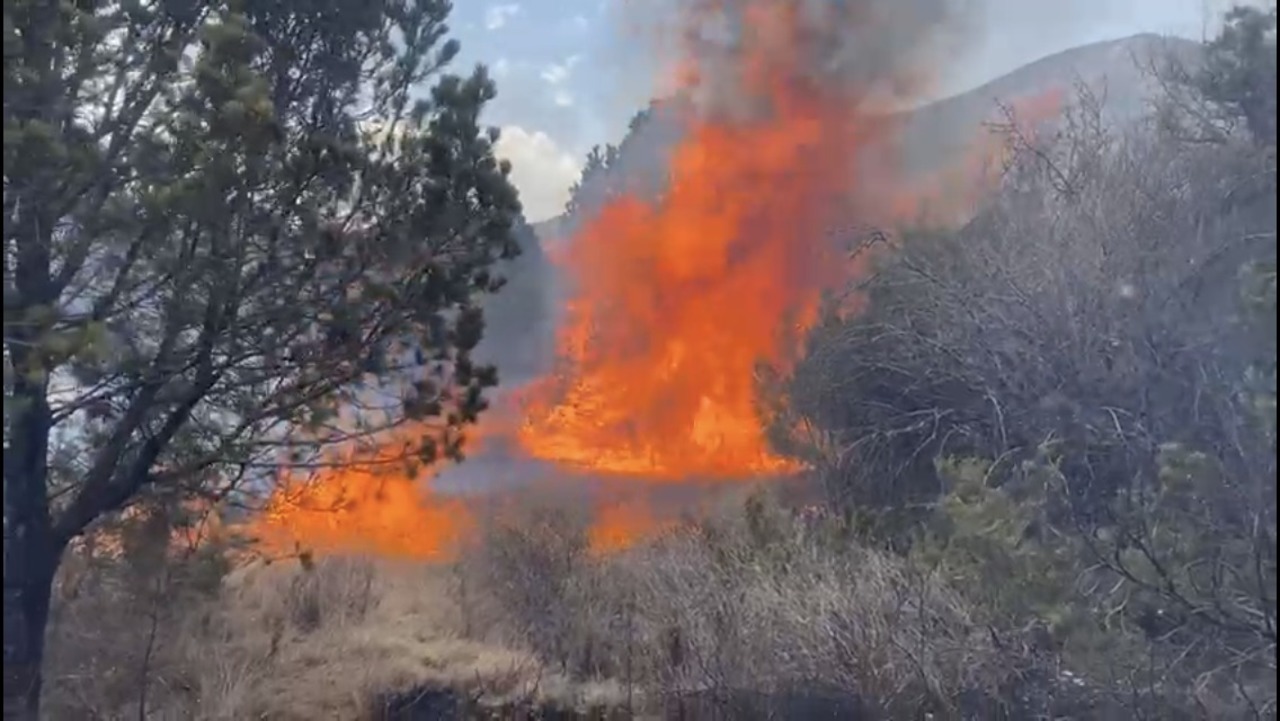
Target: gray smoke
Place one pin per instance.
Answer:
(876, 51)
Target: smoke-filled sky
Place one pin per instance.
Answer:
(571, 73)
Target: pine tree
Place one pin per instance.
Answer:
(228, 226)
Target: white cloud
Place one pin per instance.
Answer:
(497, 16)
(562, 98)
(501, 67)
(540, 169)
(558, 73)
(579, 22)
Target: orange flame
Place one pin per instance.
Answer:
(677, 301)
(619, 525)
(197, 523)
(368, 502)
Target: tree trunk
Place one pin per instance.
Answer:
(30, 562)
(32, 551)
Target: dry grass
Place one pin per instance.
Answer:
(330, 639)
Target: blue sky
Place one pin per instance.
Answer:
(570, 74)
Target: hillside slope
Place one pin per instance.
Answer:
(1118, 71)
(939, 132)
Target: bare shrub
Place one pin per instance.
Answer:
(753, 613)
(530, 573)
(335, 591)
(1092, 301)
(1085, 335)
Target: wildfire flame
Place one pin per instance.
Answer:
(365, 502)
(676, 301)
